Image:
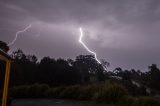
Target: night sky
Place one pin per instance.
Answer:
(123, 32)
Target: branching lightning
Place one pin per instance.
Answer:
(17, 33)
(95, 55)
(80, 40)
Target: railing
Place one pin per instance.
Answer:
(5, 57)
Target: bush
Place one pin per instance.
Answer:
(146, 101)
(110, 94)
(32, 91)
(126, 101)
(79, 92)
(37, 90)
(87, 92)
(19, 92)
(71, 92)
(54, 92)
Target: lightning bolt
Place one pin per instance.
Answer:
(95, 55)
(17, 33)
(80, 40)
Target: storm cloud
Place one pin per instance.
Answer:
(123, 32)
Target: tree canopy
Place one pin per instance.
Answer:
(4, 46)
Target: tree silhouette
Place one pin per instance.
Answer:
(88, 66)
(4, 46)
(83, 70)
(154, 76)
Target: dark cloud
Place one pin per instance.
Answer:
(124, 32)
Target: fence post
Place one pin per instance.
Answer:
(6, 83)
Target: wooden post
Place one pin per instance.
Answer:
(6, 83)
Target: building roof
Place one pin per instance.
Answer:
(5, 54)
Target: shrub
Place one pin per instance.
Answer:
(31, 91)
(146, 101)
(87, 92)
(71, 92)
(19, 92)
(110, 94)
(126, 101)
(54, 92)
(37, 90)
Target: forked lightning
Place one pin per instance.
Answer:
(80, 40)
(17, 33)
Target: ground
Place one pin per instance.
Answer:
(50, 102)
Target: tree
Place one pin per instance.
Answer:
(19, 55)
(154, 76)
(88, 66)
(4, 46)
(46, 70)
(58, 72)
(24, 68)
(124, 74)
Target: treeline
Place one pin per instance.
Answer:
(26, 69)
(78, 79)
(54, 72)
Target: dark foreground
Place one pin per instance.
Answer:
(50, 102)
